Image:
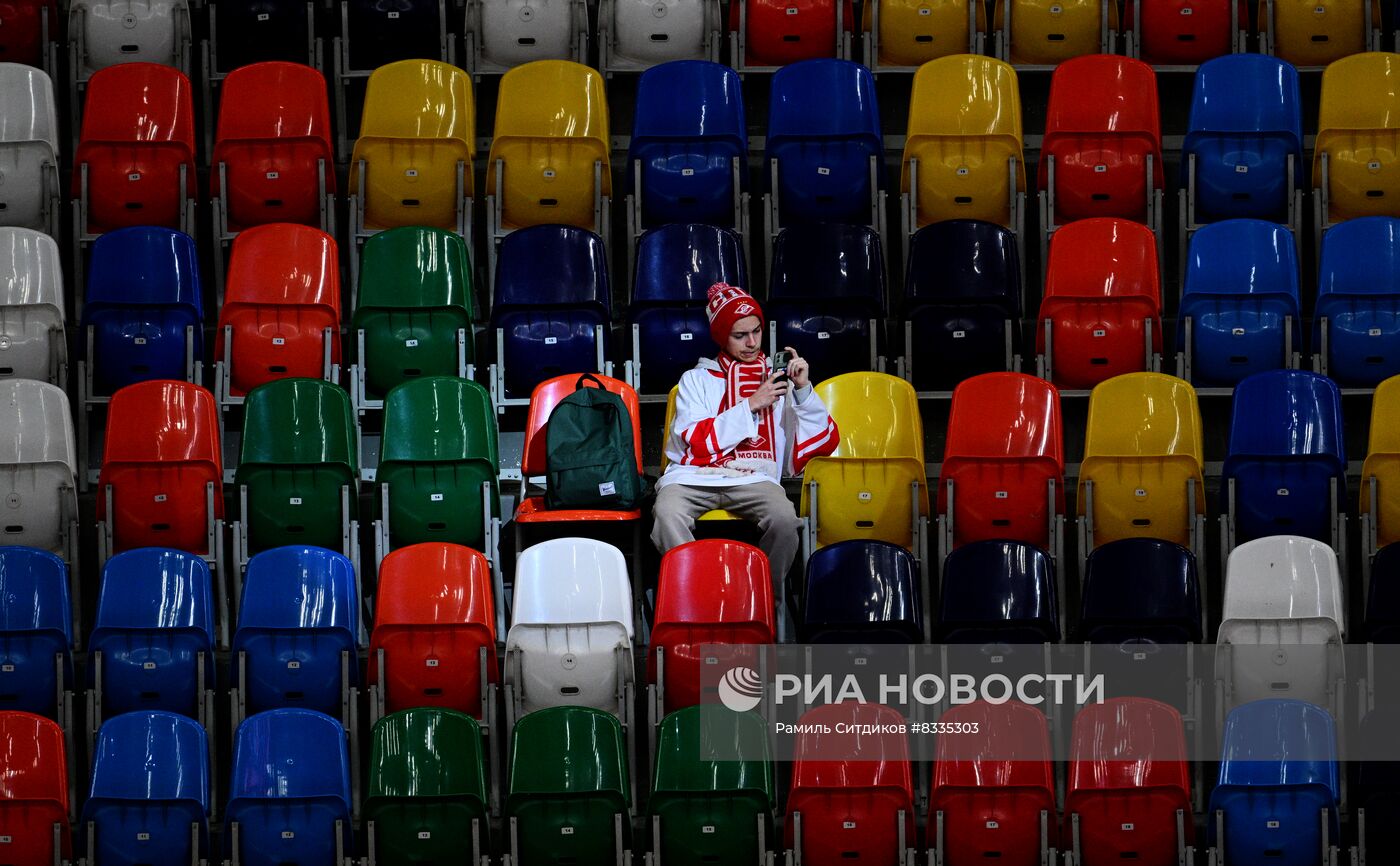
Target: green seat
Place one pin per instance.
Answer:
(415, 293)
(568, 778)
(439, 446)
(713, 781)
(426, 784)
(298, 450)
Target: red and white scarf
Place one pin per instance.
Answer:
(740, 381)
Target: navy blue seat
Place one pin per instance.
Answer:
(1378, 781)
(36, 627)
(252, 31)
(298, 614)
(864, 592)
(961, 288)
(1141, 591)
(1383, 597)
(676, 265)
(1246, 120)
(143, 290)
(1358, 292)
(150, 783)
(1278, 770)
(155, 614)
(291, 783)
(1286, 446)
(828, 282)
(1241, 283)
(552, 291)
(998, 592)
(380, 32)
(823, 128)
(687, 131)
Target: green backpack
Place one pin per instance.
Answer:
(589, 457)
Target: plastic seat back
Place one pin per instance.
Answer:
(35, 795)
(24, 23)
(116, 32)
(777, 36)
(1358, 287)
(32, 344)
(642, 37)
(998, 592)
(1316, 34)
(1185, 33)
(826, 284)
(29, 134)
(1050, 33)
(862, 592)
(547, 395)
(36, 626)
(1358, 129)
(913, 32)
(379, 36)
(1382, 463)
(38, 464)
(1383, 598)
(258, 31)
(1140, 592)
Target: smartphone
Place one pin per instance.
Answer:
(781, 359)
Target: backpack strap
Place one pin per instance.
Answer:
(579, 385)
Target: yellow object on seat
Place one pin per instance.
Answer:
(1359, 129)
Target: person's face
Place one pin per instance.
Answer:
(745, 338)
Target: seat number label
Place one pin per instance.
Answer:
(687, 337)
(962, 171)
(1374, 332)
(1002, 494)
(288, 834)
(393, 16)
(143, 837)
(1282, 491)
(273, 175)
(823, 170)
(687, 172)
(1100, 169)
(996, 660)
(135, 175)
(432, 663)
(7, 668)
(550, 341)
(1140, 493)
(993, 825)
(410, 172)
(848, 825)
(411, 344)
(1100, 332)
(1237, 332)
(1127, 828)
(424, 834)
(435, 497)
(4, 840)
(549, 172)
(263, 16)
(1374, 165)
(293, 665)
(295, 500)
(161, 497)
(1241, 169)
(279, 341)
(958, 335)
(823, 335)
(864, 496)
(1273, 825)
(148, 666)
(566, 831)
(140, 341)
(708, 829)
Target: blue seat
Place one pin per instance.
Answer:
(551, 292)
(823, 128)
(827, 283)
(291, 783)
(298, 614)
(1000, 592)
(864, 592)
(1241, 282)
(142, 292)
(1286, 445)
(962, 286)
(687, 131)
(150, 783)
(155, 613)
(1246, 120)
(676, 265)
(1141, 591)
(1278, 770)
(1358, 292)
(1383, 597)
(36, 626)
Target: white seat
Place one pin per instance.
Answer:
(31, 307)
(509, 33)
(28, 146)
(109, 32)
(38, 463)
(643, 33)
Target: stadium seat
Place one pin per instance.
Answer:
(824, 150)
(709, 592)
(1239, 312)
(993, 797)
(1044, 33)
(1380, 481)
(1355, 170)
(1382, 600)
(427, 788)
(504, 35)
(569, 790)
(713, 795)
(29, 148)
(33, 344)
(435, 629)
(1374, 797)
(244, 32)
(905, 34)
(1102, 312)
(36, 633)
(633, 35)
(852, 794)
(1183, 32)
(281, 312)
(31, 33)
(38, 468)
(862, 592)
(1317, 32)
(766, 34)
(1003, 473)
(437, 467)
(34, 801)
(150, 793)
(1278, 772)
(1129, 795)
(289, 800)
(826, 296)
(295, 643)
(161, 482)
(1356, 339)
(551, 310)
(297, 469)
(1141, 592)
(962, 155)
(999, 592)
(1285, 472)
(1141, 476)
(962, 295)
(154, 636)
(676, 265)
(106, 33)
(414, 311)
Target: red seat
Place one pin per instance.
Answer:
(1005, 442)
(33, 790)
(1100, 285)
(786, 31)
(992, 786)
(162, 448)
(543, 399)
(1127, 779)
(1186, 32)
(21, 30)
(283, 292)
(274, 124)
(138, 130)
(1101, 125)
(710, 591)
(434, 613)
(849, 787)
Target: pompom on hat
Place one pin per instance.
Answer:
(726, 305)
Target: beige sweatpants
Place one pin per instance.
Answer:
(763, 503)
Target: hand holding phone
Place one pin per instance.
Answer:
(781, 359)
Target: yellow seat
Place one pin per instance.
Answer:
(1359, 130)
(913, 32)
(864, 488)
(714, 514)
(1046, 32)
(419, 122)
(1142, 444)
(551, 128)
(1316, 32)
(964, 126)
(1383, 463)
